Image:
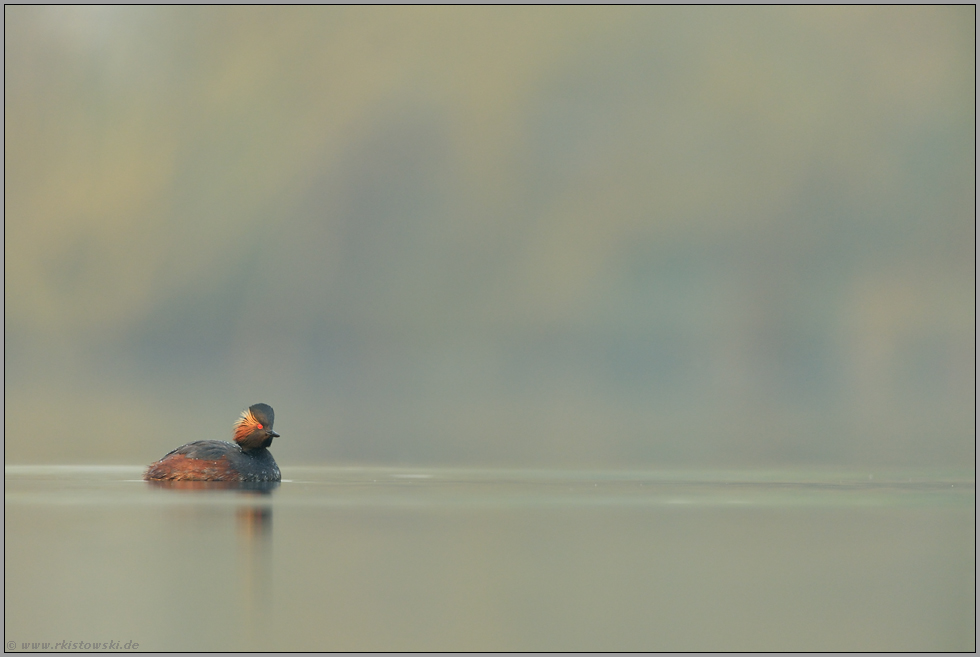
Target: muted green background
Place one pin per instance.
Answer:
(494, 236)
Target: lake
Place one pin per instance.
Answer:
(450, 559)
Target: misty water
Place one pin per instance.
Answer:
(480, 559)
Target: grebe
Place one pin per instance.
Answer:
(246, 459)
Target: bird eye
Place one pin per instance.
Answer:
(259, 426)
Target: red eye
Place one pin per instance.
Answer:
(259, 426)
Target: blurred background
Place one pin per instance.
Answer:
(571, 236)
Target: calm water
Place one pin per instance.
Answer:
(453, 559)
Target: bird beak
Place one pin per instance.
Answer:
(273, 434)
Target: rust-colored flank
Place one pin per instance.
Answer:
(180, 467)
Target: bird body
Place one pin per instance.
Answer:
(246, 459)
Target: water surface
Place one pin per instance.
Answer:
(464, 559)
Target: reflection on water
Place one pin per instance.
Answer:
(254, 520)
(255, 554)
(245, 487)
(452, 559)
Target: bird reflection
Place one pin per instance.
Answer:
(253, 516)
(246, 487)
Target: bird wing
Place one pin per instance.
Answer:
(206, 450)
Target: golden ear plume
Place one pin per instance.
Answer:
(245, 425)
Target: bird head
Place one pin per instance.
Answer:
(254, 428)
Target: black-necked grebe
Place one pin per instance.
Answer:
(246, 459)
